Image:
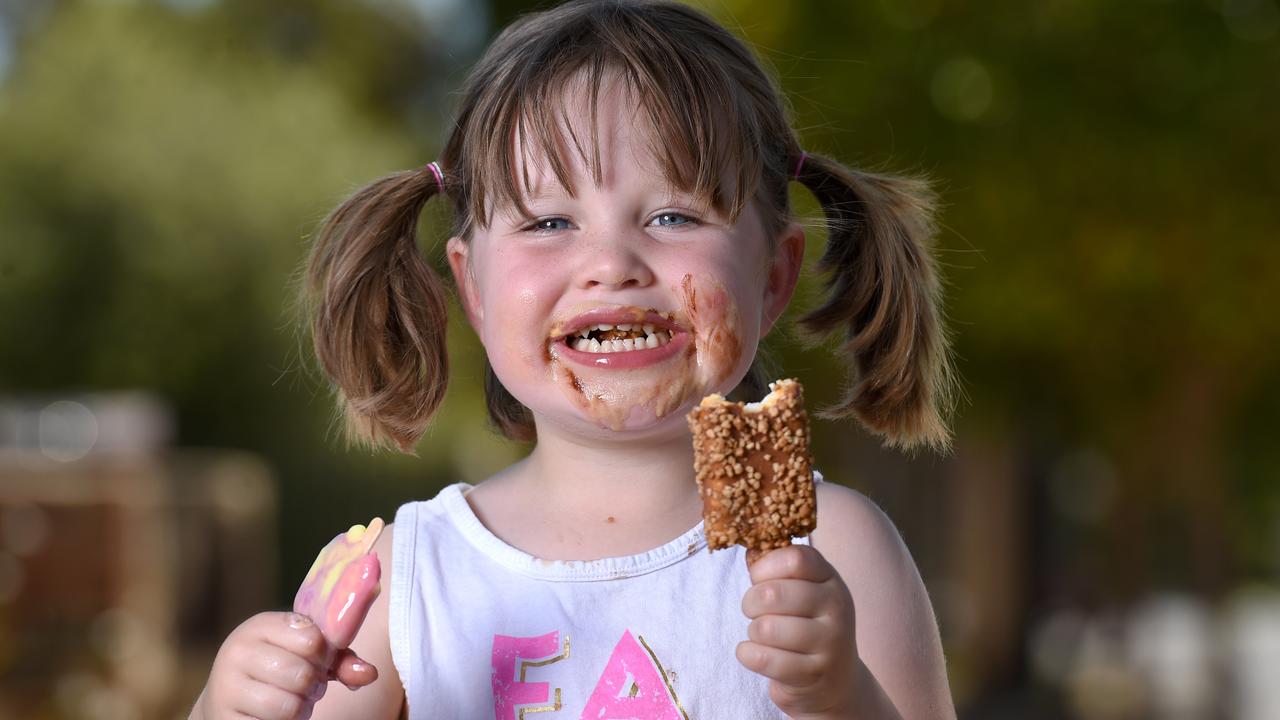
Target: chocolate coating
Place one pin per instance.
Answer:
(754, 470)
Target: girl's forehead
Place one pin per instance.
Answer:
(595, 137)
(616, 152)
(600, 125)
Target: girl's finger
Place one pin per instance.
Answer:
(783, 597)
(279, 667)
(298, 635)
(352, 671)
(267, 702)
(786, 632)
(797, 562)
(796, 670)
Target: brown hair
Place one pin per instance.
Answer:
(377, 310)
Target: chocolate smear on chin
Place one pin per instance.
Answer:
(610, 401)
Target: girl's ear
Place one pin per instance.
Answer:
(458, 252)
(784, 272)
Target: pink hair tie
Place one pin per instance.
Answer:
(435, 170)
(799, 165)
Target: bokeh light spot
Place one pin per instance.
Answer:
(68, 430)
(962, 89)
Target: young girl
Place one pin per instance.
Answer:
(618, 175)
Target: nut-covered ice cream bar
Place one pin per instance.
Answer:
(754, 470)
(342, 584)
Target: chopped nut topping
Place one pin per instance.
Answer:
(750, 497)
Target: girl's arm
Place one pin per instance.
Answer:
(897, 631)
(845, 629)
(382, 699)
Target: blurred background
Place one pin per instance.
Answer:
(1103, 544)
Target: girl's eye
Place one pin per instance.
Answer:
(671, 219)
(549, 224)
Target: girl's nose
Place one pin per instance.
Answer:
(614, 264)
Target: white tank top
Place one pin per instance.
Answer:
(479, 629)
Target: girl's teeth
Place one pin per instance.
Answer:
(652, 338)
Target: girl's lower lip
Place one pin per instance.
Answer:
(626, 360)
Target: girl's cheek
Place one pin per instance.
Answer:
(510, 315)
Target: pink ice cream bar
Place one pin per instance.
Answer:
(342, 584)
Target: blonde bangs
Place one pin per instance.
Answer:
(701, 126)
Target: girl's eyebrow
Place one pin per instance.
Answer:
(545, 195)
(550, 190)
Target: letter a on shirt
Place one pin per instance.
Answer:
(633, 686)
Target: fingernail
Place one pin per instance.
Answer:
(298, 620)
(360, 667)
(317, 691)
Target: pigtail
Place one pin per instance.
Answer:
(884, 293)
(377, 312)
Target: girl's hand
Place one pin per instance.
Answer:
(275, 666)
(802, 634)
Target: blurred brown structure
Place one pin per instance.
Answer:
(122, 562)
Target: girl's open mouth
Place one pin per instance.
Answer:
(647, 339)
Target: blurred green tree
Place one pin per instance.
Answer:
(161, 174)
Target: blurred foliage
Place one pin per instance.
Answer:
(160, 174)
(1107, 169)
(1109, 186)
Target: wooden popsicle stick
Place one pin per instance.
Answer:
(371, 534)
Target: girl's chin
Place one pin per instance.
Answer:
(638, 422)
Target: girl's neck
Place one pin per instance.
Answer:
(577, 500)
(628, 481)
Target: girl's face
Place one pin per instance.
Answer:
(612, 312)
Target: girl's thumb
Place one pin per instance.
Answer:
(350, 670)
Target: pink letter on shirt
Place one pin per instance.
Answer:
(630, 688)
(508, 692)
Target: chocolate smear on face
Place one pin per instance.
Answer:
(713, 353)
(713, 318)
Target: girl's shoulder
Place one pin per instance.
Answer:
(449, 501)
(860, 540)
(850, 521)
